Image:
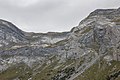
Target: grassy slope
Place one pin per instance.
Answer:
(51, 70)
(45, 72)
(21, 71)
(100, 71)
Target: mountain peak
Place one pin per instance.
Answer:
(9, 33)
(92, 45)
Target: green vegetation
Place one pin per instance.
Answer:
(61, 43)
(86, 30)
(37, 72)
(95, 46)
(51, 70)
(46, 72)
(100, 71)
(21, 71)
(116, 20)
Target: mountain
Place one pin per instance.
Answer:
(10, 34)
(90, 51)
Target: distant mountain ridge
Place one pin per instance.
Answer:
(11, 34)
(90, 51)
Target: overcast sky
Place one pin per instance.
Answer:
(50, 15)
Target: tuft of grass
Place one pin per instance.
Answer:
(86, 30)
(116, 20)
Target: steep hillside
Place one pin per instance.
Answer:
(10, 34)
(90, 51)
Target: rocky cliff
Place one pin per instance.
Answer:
(90, 51)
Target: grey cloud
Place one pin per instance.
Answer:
(51, 15)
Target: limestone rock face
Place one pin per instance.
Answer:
(100, 31)
(62, 56)
(9, 33)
